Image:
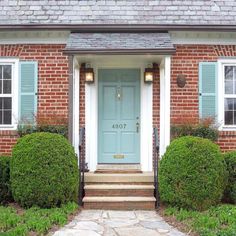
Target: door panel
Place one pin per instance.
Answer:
(128, 103)
(119, 111)
(109, 99)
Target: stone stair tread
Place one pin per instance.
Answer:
(118, 186)
(144, 177)
(119, 199)
(117, 171)
(120, 174)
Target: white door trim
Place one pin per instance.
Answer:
(146, 116)
(76, 81)
(91, 118)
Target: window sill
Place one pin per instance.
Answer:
(227, 128)
(8, 127)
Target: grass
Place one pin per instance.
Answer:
(217, 221)
(33, 221)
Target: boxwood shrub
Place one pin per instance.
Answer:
(5, 188)
(192, 173)
(44, 171)
(230, 191)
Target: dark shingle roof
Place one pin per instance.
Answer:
(118, 12)
(102, 42)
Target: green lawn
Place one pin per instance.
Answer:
(33, 221)
(217, 221)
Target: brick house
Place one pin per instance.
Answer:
(47, 48)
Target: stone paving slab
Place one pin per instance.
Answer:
(118, 223)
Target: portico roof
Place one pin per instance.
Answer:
(119, 43)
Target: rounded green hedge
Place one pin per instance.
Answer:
(44, 171)
(230, 191)
(5, 188)
(192, 173)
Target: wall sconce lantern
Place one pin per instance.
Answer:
(89, 75)
(148, 75)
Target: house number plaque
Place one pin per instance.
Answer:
(119, 126)
(119, 156)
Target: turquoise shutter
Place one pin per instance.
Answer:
(208, 89)
(28, 88)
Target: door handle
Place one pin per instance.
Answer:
(137, 127)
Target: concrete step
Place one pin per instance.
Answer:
(118, 190)
(145, 177)
(119, 203)
(128, 171)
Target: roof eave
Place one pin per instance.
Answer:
(120, 27)
(164, 51)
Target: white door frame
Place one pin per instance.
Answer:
(146, 110)
(91, 118)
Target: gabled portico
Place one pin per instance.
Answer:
(118, 60)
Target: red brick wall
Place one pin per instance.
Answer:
(156, 97)
(82, 97)
(52, 83)
(184, 101)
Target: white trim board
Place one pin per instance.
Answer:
(60, 37)
(165, 68)
(76, 92)
(207, 38)
(34, 37)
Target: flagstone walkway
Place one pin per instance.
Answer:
(118, 223)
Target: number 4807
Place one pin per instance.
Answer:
(119, 126)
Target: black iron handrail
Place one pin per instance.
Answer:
(156, 163)
(81, 165)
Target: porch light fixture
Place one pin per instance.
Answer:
(89, 75)
(148, 75)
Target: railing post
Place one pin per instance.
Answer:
(81, 166)
(156, 169)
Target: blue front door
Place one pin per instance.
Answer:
(119, 116)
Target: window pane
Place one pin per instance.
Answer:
(5, 111)
(1, 86)
(229, 104)
(7, 72)
(230, 111)
(7, 103)
(229, 87)
(229, 117)
(6, 86)
(7, 117)
(0, 72)
(228, 72)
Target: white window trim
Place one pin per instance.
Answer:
(15, 82)
(221, 94)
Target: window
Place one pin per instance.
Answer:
(229, 95)
(8, 93)
(5, 94)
